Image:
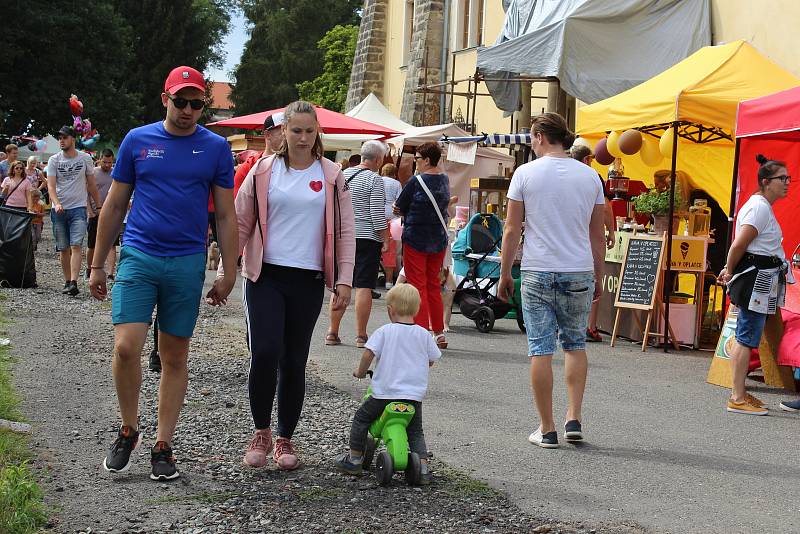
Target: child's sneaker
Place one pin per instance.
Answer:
(258, 449)
(425, 475)
(285, 455)
(345, 464)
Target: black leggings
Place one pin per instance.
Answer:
(281, 310)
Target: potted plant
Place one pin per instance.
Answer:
(656, 203)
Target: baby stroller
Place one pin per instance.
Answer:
(476, 257)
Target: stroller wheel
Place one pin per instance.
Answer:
(484, 319)
(520, 320)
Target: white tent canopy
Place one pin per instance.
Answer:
(488, 162)
(43, 155)
(371, 109)
(596, 48)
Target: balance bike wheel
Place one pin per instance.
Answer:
(384, 468)
(484, 319)
(520, 320)
(369, 452)
(413, 470)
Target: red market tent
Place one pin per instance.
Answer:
(770, 125)
(331, 122)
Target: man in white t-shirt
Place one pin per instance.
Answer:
(70, 176)
(562, 203)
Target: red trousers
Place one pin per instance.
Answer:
(422, 272)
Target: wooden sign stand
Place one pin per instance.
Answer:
(655, 297)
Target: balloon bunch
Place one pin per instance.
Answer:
(37, 146)
(87, 135)
(619, 144)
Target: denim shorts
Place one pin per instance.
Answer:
(175, 284)
(69, 227)
(556, 303)
(749, 327)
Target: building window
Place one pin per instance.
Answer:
(469, 23)
(408, 30)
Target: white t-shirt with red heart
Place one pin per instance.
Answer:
(295, 230)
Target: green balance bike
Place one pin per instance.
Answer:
(390, 429)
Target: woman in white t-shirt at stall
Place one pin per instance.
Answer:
(755, 275)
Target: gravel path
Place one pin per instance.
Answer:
(63, 348)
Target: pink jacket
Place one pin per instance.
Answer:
(340, 243)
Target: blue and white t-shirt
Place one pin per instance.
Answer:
(171, 177)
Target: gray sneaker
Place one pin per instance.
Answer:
(425, 475)
(346, 465)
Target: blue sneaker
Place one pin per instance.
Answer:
(546, 441)
(791, 406)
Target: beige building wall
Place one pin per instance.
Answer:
(770, 25)
(395, 68)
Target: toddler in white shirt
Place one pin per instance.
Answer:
(403, 352)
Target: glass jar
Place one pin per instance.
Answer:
(699, 218)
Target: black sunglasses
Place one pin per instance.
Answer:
(180, 102)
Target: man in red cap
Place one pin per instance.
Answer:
(171, 165)
(273, 139)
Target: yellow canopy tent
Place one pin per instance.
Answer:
(698, 98)
(701, 93)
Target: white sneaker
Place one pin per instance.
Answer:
(546, 441)
(389, 285)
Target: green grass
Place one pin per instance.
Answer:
(21, 507)
(317, 494)
(462, 485)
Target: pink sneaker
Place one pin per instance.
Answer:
(258, 449)
(285, 455)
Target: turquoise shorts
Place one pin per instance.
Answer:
(174, 283)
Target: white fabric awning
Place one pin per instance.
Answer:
(596, 48)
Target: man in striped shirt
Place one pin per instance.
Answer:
(369, 196)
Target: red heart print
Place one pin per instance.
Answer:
(315, 185)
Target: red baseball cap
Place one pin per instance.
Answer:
(182, 77)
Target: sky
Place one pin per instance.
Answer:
(233, 46)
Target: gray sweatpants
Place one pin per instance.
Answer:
(371, 409)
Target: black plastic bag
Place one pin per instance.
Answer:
(17, 268)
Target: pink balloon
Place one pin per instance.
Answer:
(601, 154)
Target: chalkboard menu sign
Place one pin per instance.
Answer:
(640, 273)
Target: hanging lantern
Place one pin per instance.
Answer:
(650, 151)
(666, 143)
(630, 142)
(601, 154)
(613, 144)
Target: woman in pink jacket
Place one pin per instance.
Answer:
(296, 231)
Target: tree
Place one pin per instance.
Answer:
(169, 33)
(329, 89)
(282, 50)
(68, 47)
(113, 54)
